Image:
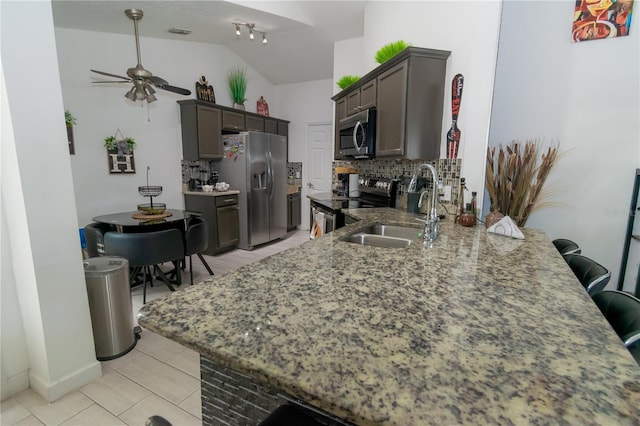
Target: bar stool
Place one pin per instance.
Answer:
(593, 276)
(196, 242)
(622, 310)
(565, 246)
(94, 236)
(146, 250)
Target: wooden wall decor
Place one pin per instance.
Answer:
(204, 91)
(120, 153)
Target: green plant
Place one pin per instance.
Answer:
(111, 143)
(390, 50)
(238, 84)
(515, 176)
(69, 119)
(347, 80)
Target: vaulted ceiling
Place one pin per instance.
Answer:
(300, 33)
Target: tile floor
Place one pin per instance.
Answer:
(158, 377)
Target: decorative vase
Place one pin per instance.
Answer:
(467, 219)
(238, 106)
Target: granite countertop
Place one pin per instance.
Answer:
(212, 193)
(477, 328)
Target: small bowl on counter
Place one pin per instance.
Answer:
(207, 188)
(222, 186)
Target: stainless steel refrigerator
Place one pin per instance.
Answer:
(256, 164)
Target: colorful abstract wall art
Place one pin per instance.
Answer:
(598, 19)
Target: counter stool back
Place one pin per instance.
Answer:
(622, 310)
(146, 250)
(565, 246)
(593, 276)
(196, 242)
(94, 237)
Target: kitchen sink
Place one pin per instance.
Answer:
(378, 240)
(394, 231)
(381, 235)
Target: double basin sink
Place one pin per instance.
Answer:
(382, 235)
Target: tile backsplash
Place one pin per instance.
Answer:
(448, 172)
(202, 169)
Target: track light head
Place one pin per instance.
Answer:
(252, 31)
(237, 29)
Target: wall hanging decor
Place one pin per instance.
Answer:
(204, 91)
(120, 153)
(598, 19)
(70, 121)
(262, 107)
(453, 135)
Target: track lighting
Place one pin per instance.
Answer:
(252, 31)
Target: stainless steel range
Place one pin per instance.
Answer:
(374, 192)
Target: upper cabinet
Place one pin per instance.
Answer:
(408, 92)
(203, 124)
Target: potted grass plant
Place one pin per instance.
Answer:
(347, 80)
(515, 178)
(390, 50)
(237, 79)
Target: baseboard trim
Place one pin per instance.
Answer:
(15, 384)
(66, 384)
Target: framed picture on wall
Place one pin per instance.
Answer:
(598, 19)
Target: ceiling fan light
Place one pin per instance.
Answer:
(131, 94)
(151, 98)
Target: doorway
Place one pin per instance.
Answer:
(317, 168)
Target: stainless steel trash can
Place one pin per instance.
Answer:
(107, 280)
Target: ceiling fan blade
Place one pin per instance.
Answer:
(173, 89)
(111, 75)
(106, 81)
(157, 81)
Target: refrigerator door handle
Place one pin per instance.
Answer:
(270, 174)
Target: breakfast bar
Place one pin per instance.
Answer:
(474, 328)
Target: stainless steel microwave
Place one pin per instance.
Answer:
(358, 134)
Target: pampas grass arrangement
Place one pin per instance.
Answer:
(515, 177)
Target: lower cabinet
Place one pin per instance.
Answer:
(223, 216)
(294, 210)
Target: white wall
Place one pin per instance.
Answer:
(348, 59)
(304, 104)
(101, 109)
(586, 96)
(470, 31)
(43, 244)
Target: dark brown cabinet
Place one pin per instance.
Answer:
(204, 123)
(223, 216)
(362, 98)
(341, 112)
(254, 124)
(294, 210)
(200, 132)
(271, 126)
(408, 92)
(232, 120)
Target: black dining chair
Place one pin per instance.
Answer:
(622, 310)
(94, 237)
(196, 242)
(565, 246)
(593, 276)
(147, 250)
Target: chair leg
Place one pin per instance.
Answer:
(144, 283)
(190, 270)
(164, 278)
(204, 262)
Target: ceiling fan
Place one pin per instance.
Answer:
(141, 78)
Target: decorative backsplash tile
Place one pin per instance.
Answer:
(448, 172)
(203, 169)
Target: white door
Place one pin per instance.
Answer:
(317, 168)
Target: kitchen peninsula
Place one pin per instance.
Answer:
(476, 329)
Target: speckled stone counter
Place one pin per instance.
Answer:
(475, 329)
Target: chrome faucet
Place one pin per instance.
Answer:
(432, 220)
